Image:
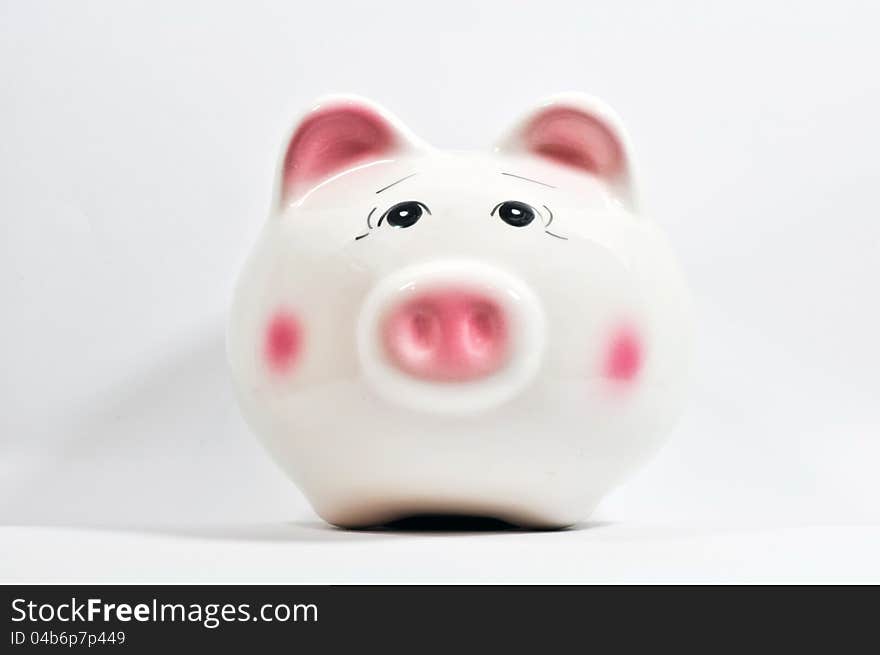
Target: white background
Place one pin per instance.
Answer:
(137, 146)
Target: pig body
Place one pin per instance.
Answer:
(499, 334)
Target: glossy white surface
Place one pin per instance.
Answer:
(538, 442)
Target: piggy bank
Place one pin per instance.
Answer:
(498, 334)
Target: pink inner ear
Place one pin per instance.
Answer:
(574, 138)
(331, 140)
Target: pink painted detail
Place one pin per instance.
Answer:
(577, 139)
(283, 342)
(623, 359)
(447, 336)
(331, 140)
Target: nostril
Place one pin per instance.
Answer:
(423, 329)
(484, 329)
(411, 335)
(446, 336)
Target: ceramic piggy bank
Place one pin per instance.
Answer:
(498, 334)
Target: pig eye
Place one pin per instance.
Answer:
(515, 213)
(404, 214)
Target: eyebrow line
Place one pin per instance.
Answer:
(528, 179)
(398, 182)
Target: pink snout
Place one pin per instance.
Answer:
(447, 336)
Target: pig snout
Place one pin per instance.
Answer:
(448, 335)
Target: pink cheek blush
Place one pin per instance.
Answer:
(624, 357)
(283, 342)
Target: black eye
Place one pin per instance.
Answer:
(515, 213)
(404, 214)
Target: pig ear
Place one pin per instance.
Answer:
(337, 134)
(582, 133)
